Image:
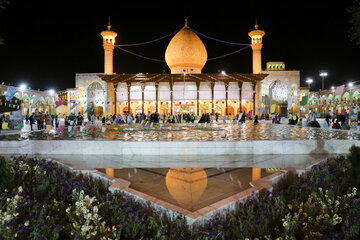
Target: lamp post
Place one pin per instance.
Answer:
(323, 74)
(309, 81)
(22, 89)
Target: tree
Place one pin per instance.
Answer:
(354, 11)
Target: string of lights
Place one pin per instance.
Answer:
(141, 56)
(228, 54)
(119, 46)
(147, 42)
(218, 40)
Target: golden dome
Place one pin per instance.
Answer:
(185, 52)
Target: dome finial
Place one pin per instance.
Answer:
(256, 25)
(109, 26)
(186, 21)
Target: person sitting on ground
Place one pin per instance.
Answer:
(300, 123)
(345, 126)
(336, 125)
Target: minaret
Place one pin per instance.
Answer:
(108, 44)
(256, 45)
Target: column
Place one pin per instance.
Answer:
(68, 102)
(157, 96)
(115, 87)
(254, 85)
(240, 97)
(198, 98)
(226, 98)
(212, 97)
(171, 97)
(128, 86)
(106, 102)
(142, 98)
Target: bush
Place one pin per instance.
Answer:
(6, 176)
(46, 201)
(354, 159)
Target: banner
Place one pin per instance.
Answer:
(304, 100)
(339, 90)
(250, 113)
(59, 103)
(261, 111)
(273, 107)
(10, 92)
(74, 105)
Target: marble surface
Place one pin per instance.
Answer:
(185, 161)
(177, 148)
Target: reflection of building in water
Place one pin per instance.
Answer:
(187, 89)
(109, 171)
(256, 174)
(186, 185)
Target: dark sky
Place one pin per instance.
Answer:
(47, 43)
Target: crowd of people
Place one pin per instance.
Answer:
(41, 120)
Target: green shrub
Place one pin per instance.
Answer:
(5, 175)
(354, 158)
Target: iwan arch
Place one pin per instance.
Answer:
(187, 88)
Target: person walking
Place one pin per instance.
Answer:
(31, 120)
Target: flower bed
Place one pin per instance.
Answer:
(40, 199)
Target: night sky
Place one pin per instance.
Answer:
(46, 44)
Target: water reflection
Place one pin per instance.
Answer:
(172, 132)
(189, 188)
(186, 185)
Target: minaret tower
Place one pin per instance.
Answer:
(108, 44)
(256, 45)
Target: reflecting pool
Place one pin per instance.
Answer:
(187, 132)
(190, 188)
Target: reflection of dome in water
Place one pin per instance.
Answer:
(186, 185)
(185, 52)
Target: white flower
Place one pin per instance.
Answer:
(26, 223)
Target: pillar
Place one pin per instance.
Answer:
(128, 86)
(115, 87)
(68, 102)
(171, 97)
(142, 98)
(212, 97)
(157, 96)
(198, 98)
(254, 97)
(240, 90)
(226, 98)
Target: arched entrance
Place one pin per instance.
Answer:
(96, 98)
(231, 110)
(244, 109)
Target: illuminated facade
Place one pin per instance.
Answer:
(187, 89)
(345, 99)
